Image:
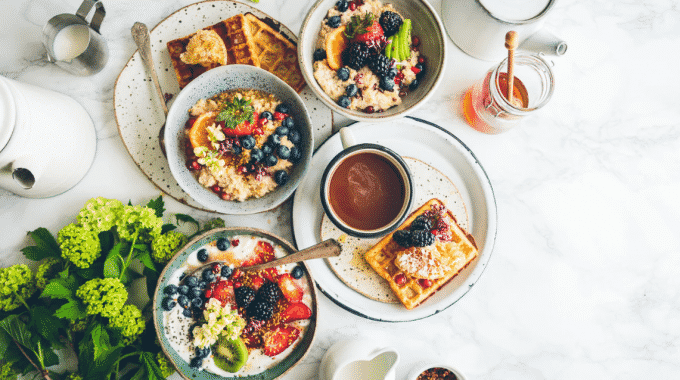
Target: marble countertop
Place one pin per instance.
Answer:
(583, 282)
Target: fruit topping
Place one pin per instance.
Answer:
(280, 177)
(334, 21)
(364, 28)
(336, 43)
(289, 287)
(295, 154)
(248, 142)
(421, 222)
(230, 354)
(279, 338)
(421, 238)
(168, 303)
(288, 123)
(319, 55)
(402, 237)
(260, 309)
(400, 279)
(343, 73)
(351, 90)
(283, 152)
(269, 292)
(295, 312)
(342, 5)
(387, 84)
(223, 292)
(282, 108)
(390, 22)
(202, 255)
(270, 160)
(294, 136)
(356, 55)
(297, 272)
(381, 65)
(244, 296)
(170, 289)
(344, 101)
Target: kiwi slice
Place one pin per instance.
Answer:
(230, 355)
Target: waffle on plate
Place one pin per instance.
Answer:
(249, 41)
(415, 273)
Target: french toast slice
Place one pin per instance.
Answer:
(455, 251)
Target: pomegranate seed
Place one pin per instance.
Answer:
(243, 169)
(421, 59)
(237, 285)
(402, 93)
(208, 293)
(258, 131)
(224, 196)
(230, 283)
(369, 109)
(415, 70)
(397, 80)
(400, 279)
(234, 242)
(216, 188)
(279, 116)
(352, 6)
(425, 283)
(263, 121)
(415, 41)
(216, 268)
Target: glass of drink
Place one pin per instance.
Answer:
(485, 105)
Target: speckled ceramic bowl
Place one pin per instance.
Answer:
(426, 25)
(423, 366)
(211, 83)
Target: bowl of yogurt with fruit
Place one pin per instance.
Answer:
(372, 60)
(217, 320)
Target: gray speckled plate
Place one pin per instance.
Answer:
(351, 267)
(137, 108)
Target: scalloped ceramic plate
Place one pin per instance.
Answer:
(137, 108)
(434, 146)
(180, 259)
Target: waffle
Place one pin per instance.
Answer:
(275, 52)
(240, 49)
(457, 254)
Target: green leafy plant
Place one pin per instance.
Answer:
(77, 301)
(235, 112)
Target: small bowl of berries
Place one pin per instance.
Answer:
(372, 60)
(431, 370)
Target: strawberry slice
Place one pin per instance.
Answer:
(295, 312)
(279, 338)
(290, 289)
(365, 29)
(223, 291)
(263, 252)
(242, 129)
(270, 274)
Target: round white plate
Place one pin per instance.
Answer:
(435, 146)
(138, 110)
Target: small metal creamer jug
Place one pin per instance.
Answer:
(75, 45)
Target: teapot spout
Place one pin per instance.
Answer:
(544, 42)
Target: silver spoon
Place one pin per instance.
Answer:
(140, 33)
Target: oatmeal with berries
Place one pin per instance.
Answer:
(366, 58)
(242, 143)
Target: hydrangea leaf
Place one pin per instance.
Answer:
(36, 253)
(113, 264)
(72, 310)
(44, 239)
(46, 324)
(17, 330)
(63, 288)
(152, 370)
(157, 205)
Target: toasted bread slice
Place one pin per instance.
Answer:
(455, 254)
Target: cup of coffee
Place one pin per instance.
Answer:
(367, 189)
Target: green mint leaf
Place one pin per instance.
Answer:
(235, 112)
(72, 310)
(17, 330)
(46, 324)
(167, 227)
(157, 205)
(152, 370)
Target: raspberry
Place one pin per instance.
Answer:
(400, 279)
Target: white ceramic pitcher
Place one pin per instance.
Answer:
(478, 27)
(359, 359)
(47, 140)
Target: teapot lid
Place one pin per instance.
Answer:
(7, 113)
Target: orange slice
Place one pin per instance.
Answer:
(198, 134)
(336, 42)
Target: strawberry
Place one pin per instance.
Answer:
(263, 252)
(290, 289)
(365, 29)
(257, 282)
(270, 274)
(295, 312)
(223, 292)
(279, 338)
(242, 129)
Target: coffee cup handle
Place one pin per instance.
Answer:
(346, 137)
(98, 16)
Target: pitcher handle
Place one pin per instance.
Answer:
(99, 13)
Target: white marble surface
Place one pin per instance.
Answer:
(583, 283)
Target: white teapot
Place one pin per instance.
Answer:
(47, 140)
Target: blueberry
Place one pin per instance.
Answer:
(170, 289)
(202, 352)
(183, 300)
(256, 155)
(208, 275)
(182, 276)
(319, 54)
(422, 70)
(387, 84)
(192, 282)
(392, 73)
(283, 108)
(414, 84)
(267, 148)
(222, 243)
(295, 154)
(334, 21)
(342, 5)
(183, 289)
(196, 362)
(195, 292)
(270, 160)
(187, 313)
(351, 90)
(236, 150)
(226, 271)
(294, 136)
(344, 101)
(267, 115)
(281, 177)
(197, 302)
(202, 255)
(274, 140)
(167, 304)
(248, 142)
(202, 284)
(283, 152)
(343, 73)
(288, 123)
(282, 130)
(297, 272)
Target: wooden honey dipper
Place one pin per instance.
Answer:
(511, 45)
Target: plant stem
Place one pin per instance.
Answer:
(45, 373)
(127, 261)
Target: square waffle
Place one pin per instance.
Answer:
(240, 49)
(275, 53)
(458, 253)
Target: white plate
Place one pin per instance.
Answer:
(435, 146)
(137, 108)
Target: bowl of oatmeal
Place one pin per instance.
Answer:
(372, 60)
(217, 320)
(238, 139)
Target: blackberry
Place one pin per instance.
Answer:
(269, 292)
(244, 296)
(280, 177)
(381, 65)
(421, 222)
(421, 238)
(319, 54)
(390, 22)
(260, 310)
(402, 237)
(356, 55)
(202, 352)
